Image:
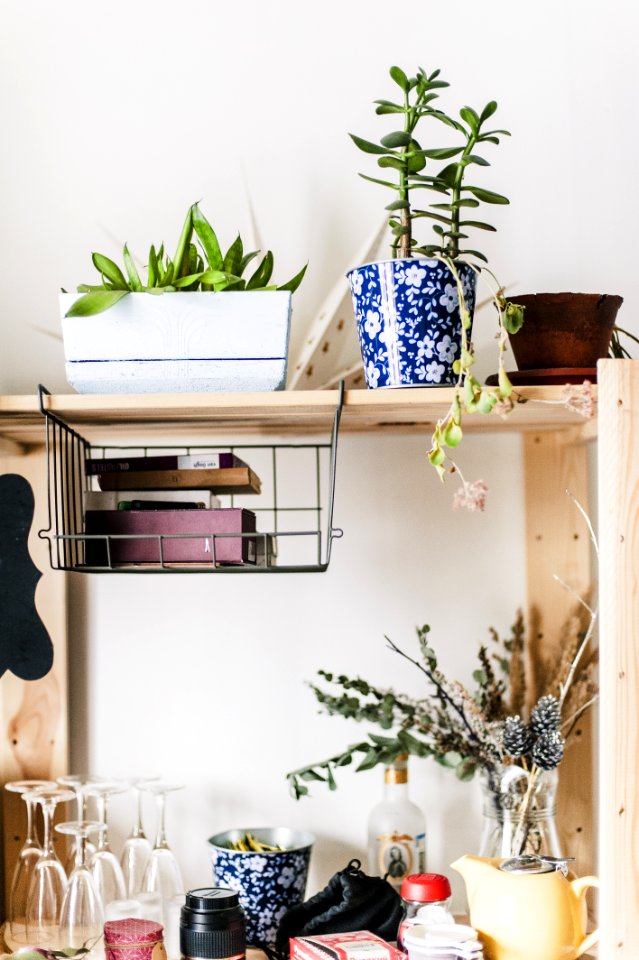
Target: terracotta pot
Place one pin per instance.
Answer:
(564, 329)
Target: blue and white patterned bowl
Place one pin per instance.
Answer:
(267, 883)
(407, 313)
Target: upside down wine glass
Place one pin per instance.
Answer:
(162, 874)
(78, 782)
(49, 881)
(82, 915)
(137, 847)
(105, 869)
(25, 864)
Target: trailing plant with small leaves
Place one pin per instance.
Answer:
(198, 264)
(400, 150)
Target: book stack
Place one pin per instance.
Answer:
(164, 510)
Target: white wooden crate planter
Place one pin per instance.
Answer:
(180, 342)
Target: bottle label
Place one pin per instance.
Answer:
(399, 855)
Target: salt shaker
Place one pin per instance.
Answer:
(426, 898)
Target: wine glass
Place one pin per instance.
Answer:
(137, 848)
(106, 871)
(78, 782)
(162, 874)
(49, 881)
(82, 914)
(25, 864)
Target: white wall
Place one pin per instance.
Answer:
(114, 118)
(203, 677)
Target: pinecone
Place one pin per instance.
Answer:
(548, 750)
(516, 737)
(545, 716)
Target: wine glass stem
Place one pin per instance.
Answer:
(138, 830)
(81, 850)
(48, 809)
(32, 838)
(160, 840)
(103, 841)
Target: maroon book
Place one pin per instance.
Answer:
(170, 536)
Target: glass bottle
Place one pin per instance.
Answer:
(396, 829)
(519, 817)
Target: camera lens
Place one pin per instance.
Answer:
(212, 925)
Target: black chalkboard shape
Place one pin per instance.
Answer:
(25, 645)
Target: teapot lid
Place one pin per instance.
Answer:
(533, 864)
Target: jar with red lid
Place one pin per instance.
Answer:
(426, 898)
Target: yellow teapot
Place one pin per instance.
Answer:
(526, 908)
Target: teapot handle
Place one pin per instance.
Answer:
(579, 888)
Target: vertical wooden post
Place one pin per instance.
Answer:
(33, 715)
(557, 542)
(618, 479)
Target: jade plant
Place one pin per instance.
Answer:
(198, 264)
(401, 151)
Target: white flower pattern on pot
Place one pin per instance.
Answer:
(356, 282)
(435, 372)
(414, 276)
(450, 298)
(446, 350)
(372, 324)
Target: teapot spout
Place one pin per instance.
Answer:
(475, 871)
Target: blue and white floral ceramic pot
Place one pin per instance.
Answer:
(267, 883)
(407, 313)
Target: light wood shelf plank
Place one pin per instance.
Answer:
(294, 411)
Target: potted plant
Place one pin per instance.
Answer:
(414, 311)
(564, 335)
(218, 328)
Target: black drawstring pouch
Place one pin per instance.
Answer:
(351, 901)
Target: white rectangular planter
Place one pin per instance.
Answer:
(179, 342)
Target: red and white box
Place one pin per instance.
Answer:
(360, 945)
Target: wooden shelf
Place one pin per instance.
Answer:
(298, 411)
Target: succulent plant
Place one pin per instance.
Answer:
(193, 267)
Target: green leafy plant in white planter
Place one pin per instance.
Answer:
(198, 321)
(414, 311)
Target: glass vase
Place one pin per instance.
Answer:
(519, 813)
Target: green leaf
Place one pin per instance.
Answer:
(488, 196)
(478, 224)
(451, 759)
(371, 759)
(474, 158)
(393, 162)
(366, 145)
(398, 138)
(452, 435)
(218, 278)
(246, 259)
(386, 107)
(443, 153)
(470, 117)
(181, 258)
(505, 386)
(475, 253)
(263, 273)
(465, 770)
(110, 270)
(309, 775)
(398, 205)
(134, 278)
(190, 279)
(488, 111)
(233, 259)
(382, 183)
(416, 158)
(206, 236)
(294, 283)
(400, 78)
(153, 275)
(330, 779)
(448, 174)
(513, 317)
(92, 303)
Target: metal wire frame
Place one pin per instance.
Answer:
(67, 482)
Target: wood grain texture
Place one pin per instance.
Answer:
(33, 715)
(279, 412)
(557, 542)
(618, 477)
